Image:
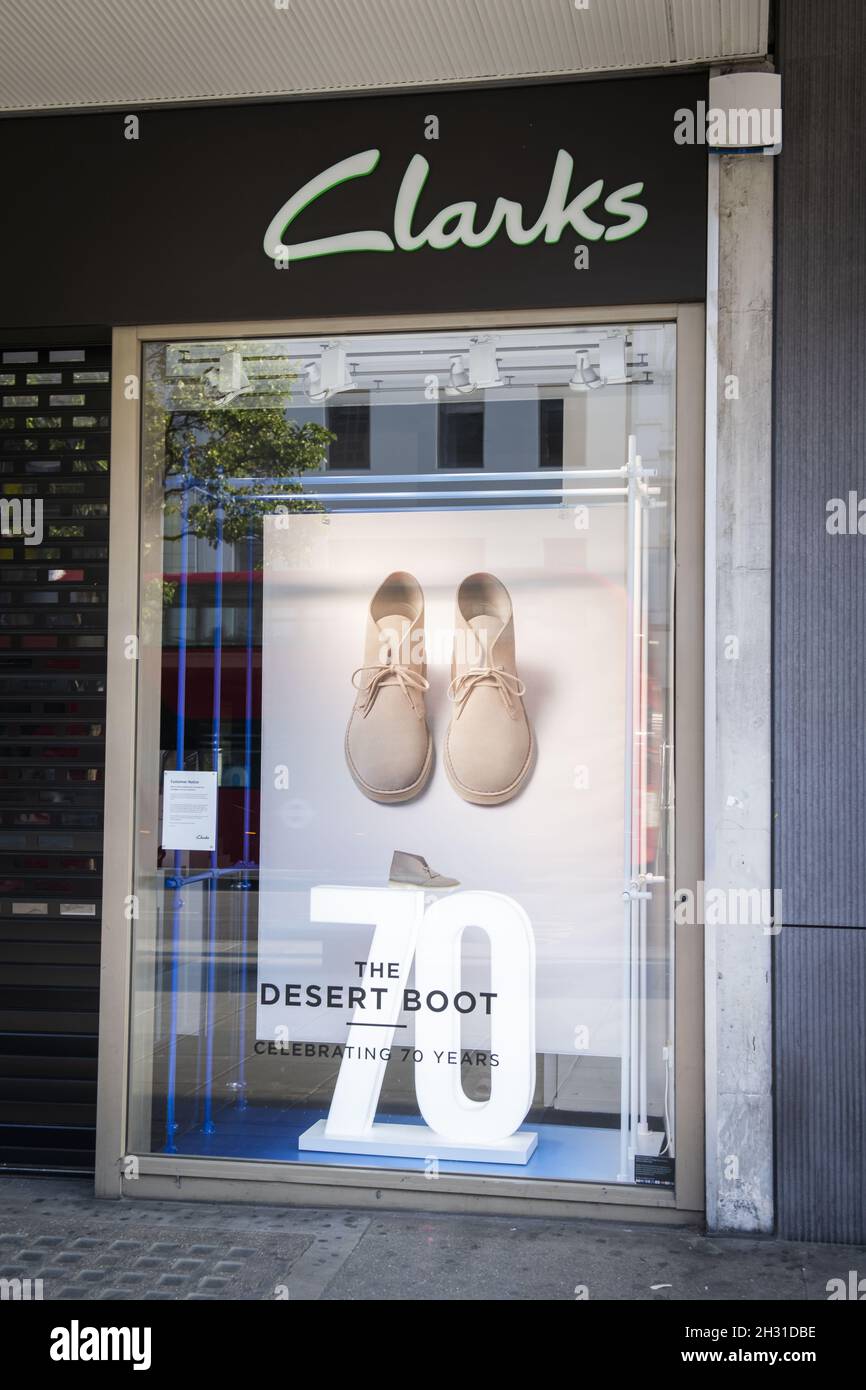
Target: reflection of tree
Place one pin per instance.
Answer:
(219, 446)
(185, 431)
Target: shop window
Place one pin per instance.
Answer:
(350, 422)
(461, 434)
(550, 427)
(401, 679)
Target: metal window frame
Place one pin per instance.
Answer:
(164, 1176)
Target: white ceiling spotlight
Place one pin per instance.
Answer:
(482, 372)
(228, 379)
(585, 377)
(312, 381)
(460, 382)
(612, 364)
(329, 376)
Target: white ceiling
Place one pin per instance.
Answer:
(95, 53)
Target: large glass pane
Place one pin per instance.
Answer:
(404, 830)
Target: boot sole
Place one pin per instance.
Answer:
(402, 793)
(490, 798)
(395, 883)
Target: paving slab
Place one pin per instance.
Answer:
(56, 1231)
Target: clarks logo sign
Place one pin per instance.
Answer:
(458, 222)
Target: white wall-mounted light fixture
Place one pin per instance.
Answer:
(585, 377)
(484, 364)
(481, 373)
(227, 379)
(329, 376)
(611, 360)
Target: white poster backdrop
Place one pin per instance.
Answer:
(556, 848)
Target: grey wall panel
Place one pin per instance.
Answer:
(820, 1061)
(820, 453)
(820, 623)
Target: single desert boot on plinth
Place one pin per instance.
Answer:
(413, 871)
(489, 745)
(388, 744)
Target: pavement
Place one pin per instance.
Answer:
(55, 1230)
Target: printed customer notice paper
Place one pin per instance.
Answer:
(189, 810)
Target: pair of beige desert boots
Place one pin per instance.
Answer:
(489, 744)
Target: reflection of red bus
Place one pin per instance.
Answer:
(649, 788)
(199, 703)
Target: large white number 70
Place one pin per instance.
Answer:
(405, 931)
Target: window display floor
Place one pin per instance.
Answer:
(565, 1152)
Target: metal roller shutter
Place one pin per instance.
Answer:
(54, 451)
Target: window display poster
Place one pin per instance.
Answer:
(443, 707)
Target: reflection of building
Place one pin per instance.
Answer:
(459, 433)
(589, 537)
(200, 619)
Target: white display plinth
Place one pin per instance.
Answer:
(417, 1141)
(650, 1143)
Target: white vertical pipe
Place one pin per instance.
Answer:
(626, 1033)
(635, 640)
(642, 812)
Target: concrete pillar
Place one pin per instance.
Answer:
(739, 1115)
